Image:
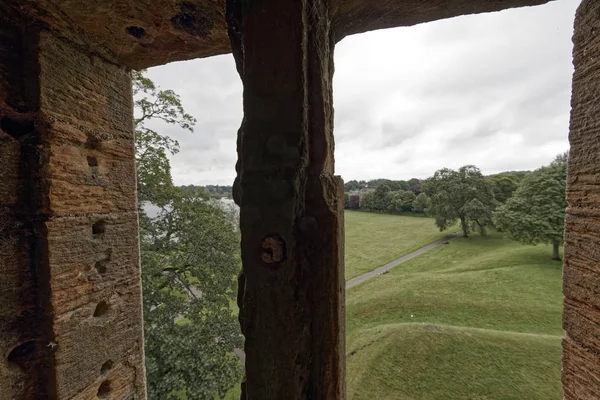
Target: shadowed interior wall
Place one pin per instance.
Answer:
(24, 313)
(581, 274)
(71, 323)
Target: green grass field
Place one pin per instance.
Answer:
(373, 240)
(479, 318)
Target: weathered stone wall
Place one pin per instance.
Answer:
(70, 299)
(356, 16)
(581, 275)
(92, 230)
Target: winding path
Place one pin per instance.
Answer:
(377, 271)
(361, 278)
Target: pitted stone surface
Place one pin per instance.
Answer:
(145, 33)
(69, 258)
(581, 270)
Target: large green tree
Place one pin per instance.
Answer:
(353, 185)
(420, 203)
(154, 181)
(189, 254)
(366, 200)
(381, 197)
(504, 185)
(536, 211)
(400, 201)
(463, 195)
(353, 202)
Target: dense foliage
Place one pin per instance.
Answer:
(536, 212)
(400, 201)
(413, 185)
(421, 203)
(366, 201)
(189, 262)
(504, 185)
(395, 196)
(353, 202)
(463, 195)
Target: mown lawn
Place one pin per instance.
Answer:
(373, 240)
(479, 318)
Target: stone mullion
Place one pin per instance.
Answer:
(291, 288)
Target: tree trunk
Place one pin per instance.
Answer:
(465, 227)
(555, 254)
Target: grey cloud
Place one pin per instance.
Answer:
(491, 90)
(211, 91)
(495, 99)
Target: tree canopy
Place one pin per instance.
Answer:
(189, 254)
(504, 185)
(536, 211)
(380, 197)
(353, 185)
(420, 203)
(366, 200)
(400, 201)
(353, 202)
(463, 195)
(413, 184)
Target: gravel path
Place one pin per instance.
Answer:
(361, 278)
(382, 270)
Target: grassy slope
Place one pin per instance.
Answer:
(373, 240)
(485, 324)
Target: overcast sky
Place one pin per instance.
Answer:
(491, 90)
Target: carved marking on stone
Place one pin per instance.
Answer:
(99, 228)
(194, 19)
(101, 309)
(136, 31)
(273, 249)
(104, 390)
(92, 143)
(101, 266)
(106, 367)
(92, 161)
